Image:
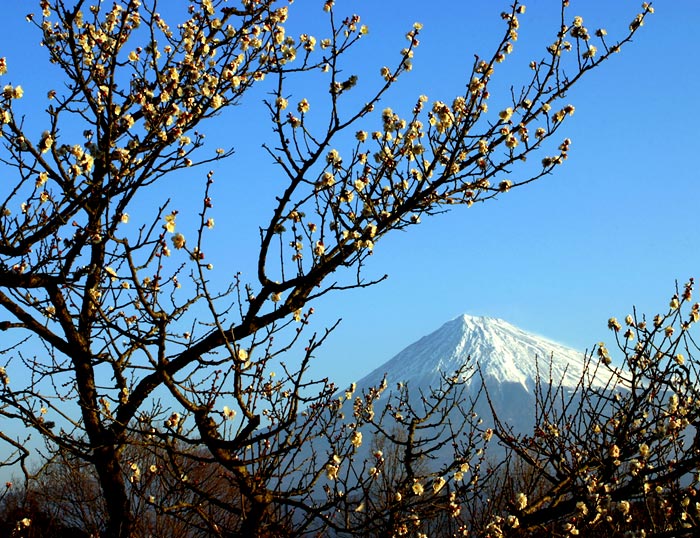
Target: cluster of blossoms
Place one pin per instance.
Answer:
(135, 475)
(513, 25)
(12, 92)
(333, 467)
(208, 68)
(460, 472)
(22, 525)
(173, 421)
(578, 31)
(363, 407)
(417, 487)
(356, 439)
(229, 414)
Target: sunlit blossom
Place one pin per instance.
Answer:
(614, 325)
(417, 488)
(356, 439)
(438, 484)
(170, 223)
(178, 241)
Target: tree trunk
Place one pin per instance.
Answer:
(120, 520)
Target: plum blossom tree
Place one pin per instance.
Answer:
(616, 460)
(121, 349)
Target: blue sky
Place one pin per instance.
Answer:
(616, 226)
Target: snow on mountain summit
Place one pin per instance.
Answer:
(504, 353)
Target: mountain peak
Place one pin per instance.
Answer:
(503, 352)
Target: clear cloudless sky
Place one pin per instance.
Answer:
(615, 227)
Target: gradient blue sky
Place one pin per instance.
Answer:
(616, 226)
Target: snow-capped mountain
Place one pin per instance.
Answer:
(504, 353)
(510, 361)
(515, 366)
